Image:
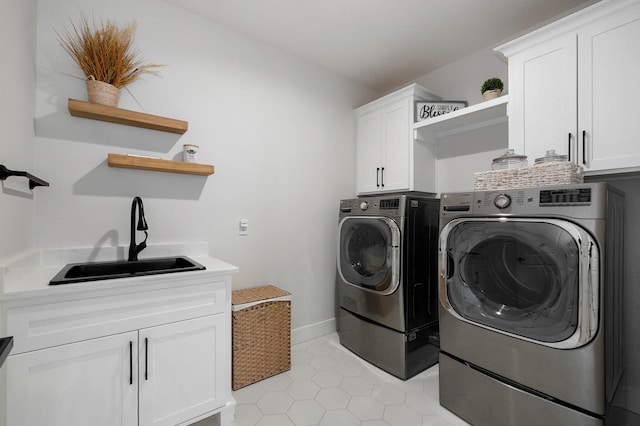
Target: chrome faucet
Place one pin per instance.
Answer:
(142, 226)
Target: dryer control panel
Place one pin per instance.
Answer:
(565, 197)
(579, 200)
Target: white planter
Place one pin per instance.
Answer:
(491, 94)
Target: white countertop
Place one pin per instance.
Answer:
(29, 275)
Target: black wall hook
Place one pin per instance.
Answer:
(33, 181)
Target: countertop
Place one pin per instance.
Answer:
(29, 275)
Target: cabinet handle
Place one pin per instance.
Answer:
(382, 176)
(584, 145)
(378, 177)
(130, 362)
(146, 358)
(569, 147)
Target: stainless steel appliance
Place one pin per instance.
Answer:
(530, 304)
(387, 281)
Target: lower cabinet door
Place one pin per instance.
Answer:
(93, 382)
(182, 370)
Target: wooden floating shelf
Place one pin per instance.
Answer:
(159, 165)
(126, 117)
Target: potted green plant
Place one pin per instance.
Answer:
(105, 54)
(491, 88)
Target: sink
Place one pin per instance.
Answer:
(94, 271)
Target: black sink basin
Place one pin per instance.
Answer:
(94, 271)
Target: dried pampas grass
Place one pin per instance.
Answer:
(105, 52)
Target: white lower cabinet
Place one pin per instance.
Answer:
(172, 371)
(179, 369)
(155, 352)
(94, 382)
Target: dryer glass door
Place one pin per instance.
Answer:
(535, 279)
(369, 253)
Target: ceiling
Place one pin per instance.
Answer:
(381, 44)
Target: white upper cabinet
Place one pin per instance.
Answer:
(543, 107)
(387, 157)
(368, 151)
(609, 89)
(396, 151)
(573, 88)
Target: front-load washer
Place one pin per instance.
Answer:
(387, 281)
(531, 282)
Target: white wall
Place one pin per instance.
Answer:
(462, 154)
(17, 85)
(280, 133)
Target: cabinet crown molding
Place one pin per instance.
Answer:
(413, 90)
(564, 25)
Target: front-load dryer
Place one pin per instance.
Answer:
(387, 281)
(531, 282)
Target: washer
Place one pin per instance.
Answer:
(387, 281)
(530, 304)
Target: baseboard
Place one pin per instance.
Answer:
(308, 332)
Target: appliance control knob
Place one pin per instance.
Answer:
(364, 205)
(502, 201)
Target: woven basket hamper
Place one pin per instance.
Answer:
(261, 323)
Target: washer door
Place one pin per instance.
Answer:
(369, 253)
(533, 279)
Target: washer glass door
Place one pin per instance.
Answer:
(535, 279)
(369, 253)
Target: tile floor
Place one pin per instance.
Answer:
(330, 386)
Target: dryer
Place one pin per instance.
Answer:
(387, 281)
(531, 283)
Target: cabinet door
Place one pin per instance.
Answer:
(368, 162)
(183, 368)
(88, 383)
(609, 60)
(396, 139)
(542, 106)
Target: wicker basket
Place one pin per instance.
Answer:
(102, 93)
(545, 174)
(261, 321)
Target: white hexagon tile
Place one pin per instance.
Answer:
(330, 386)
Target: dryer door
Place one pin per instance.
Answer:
(533, 279)
(369, 253)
